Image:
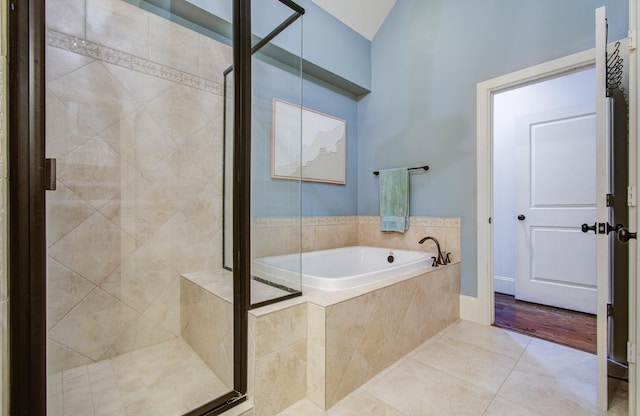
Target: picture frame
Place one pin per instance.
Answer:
(307, 145)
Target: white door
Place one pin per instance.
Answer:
(556, 193)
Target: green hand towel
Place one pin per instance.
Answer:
(394, 200)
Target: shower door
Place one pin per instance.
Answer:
(134, 233)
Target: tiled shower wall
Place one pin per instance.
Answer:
(134, 117)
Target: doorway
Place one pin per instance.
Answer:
(544, 188)
(484, 308)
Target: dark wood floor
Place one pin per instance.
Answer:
(573, 329)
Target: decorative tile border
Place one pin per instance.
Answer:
(271, 222)
(337, 220)
(417, 220)
(266, 222)
(129, 61)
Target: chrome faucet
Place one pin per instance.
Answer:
(441, 259)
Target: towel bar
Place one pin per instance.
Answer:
(425, 167)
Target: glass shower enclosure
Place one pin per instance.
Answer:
(139, 104)
(275, 201)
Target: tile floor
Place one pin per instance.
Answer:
(165, 379)
(470, 369)
(467, 369)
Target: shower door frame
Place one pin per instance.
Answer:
(27, 262)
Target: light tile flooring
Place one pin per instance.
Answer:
(165, 379)
(470, 369)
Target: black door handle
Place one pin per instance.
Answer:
(624, 235)
(521, 217)
(585, 228)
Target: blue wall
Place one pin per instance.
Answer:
(327, 42)
(426, 61)
(280, 197)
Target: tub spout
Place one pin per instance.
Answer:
(441, 259)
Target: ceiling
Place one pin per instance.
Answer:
(363, 16)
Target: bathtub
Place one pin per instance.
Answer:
(340, 268)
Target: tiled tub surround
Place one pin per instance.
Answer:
(321, 233)
(206, 317)
(324, 345)
(134, 119)
(363, 335)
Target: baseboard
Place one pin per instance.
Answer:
(469, 308)
(506, 285)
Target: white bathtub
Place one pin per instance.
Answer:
(340, 268)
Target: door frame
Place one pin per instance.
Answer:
(485, 91)
(484, 307)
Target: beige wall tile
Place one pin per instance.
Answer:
(148, 174)
(69, 211)
(142, 87)
(183, 111)
(93, 258)
(94, 96)
(280, 329)
(325, 237)
(165, 310)
(140, 141)
(92, 326)
(60, 358)
(119, 25)
(316, 373)
(280, 379)
(355, 374)
(66, 16)
(448, 235)
(60, 62)
(173, 45)
(65, 131)
(207, 326)
(350, 317)
(94, 172)
(379, 345)
(316, 324)
(214, 58)
(64, 290)
(385, 325)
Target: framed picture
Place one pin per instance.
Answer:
(307, 145)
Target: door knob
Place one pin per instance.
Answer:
(624, 235)
(585, 228)
(521, 217)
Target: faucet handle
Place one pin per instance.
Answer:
(447, 258)
(435, 262)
